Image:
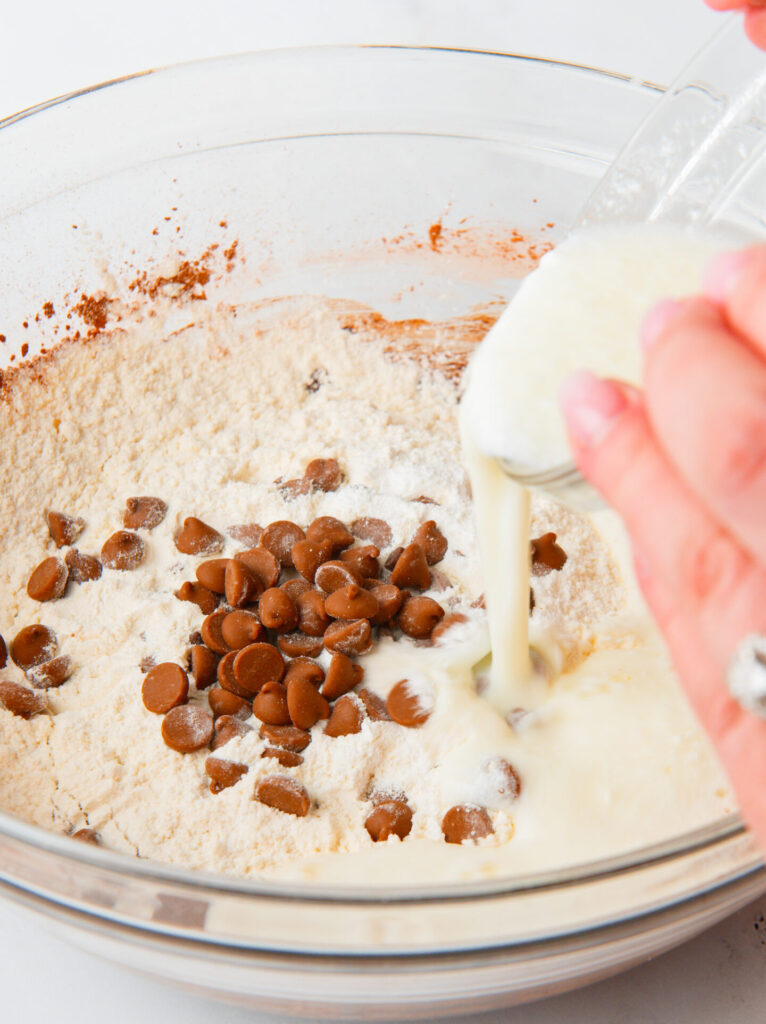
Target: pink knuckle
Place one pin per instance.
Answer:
(738, 469)
(710, 571)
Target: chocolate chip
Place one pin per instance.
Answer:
(64, 529)
(48, 581)
(375, 530)
(298, 645)
(262, 564)
(531, 600)
(374, 706)
(283, 794)
(123, 551)
(312, 617)
(390, 818)
(411, 569)
(242, 585)
(144, 513)
(228, 728)
(82, 568)
(349, 636)
(440, 581)
(279, 538)
(3, 653)
(390, 599)
(277, 610)
(228, 680)
(211, 630)
(291, 489)
(87, 835)
(351, 602)
(294, 588)
(270, 704)
(51, 674)
(286, 736)
(466, 822)
(419, 616)
(308, 555)
(187, 728)
(205, 599)
(330, 529)
(546, 555)
(223, 702)
(241, 628)
(346, 718)
(364, 559)
(258, 664)
(223, 774)
(21, 700)
(406, 706)
(286, 758)
(305, 704)
(342, 675)
(212, 574)
(305, 668)
(197, 538)
(323, 475)
(393, 558)
(429, 537)
(165, 687)
(335, 574)
(453, 619)
(422, 499)
(246, 533)
(204, 666)
(33, 645)
(503, 778)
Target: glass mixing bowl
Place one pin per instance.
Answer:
(329, 166)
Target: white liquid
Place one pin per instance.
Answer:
(502, 519)
(582, 307)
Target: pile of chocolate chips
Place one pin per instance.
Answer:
(269, 612)
(34, 649)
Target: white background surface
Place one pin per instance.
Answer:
(48, 48)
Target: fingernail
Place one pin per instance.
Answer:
(723, 273)
(657, 320)
(590, 406)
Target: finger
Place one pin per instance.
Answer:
(736, 281)
(739, 737)
(755, 25)
(701, 565)
(726, 5)
(706, 400)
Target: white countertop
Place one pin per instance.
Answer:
(48, 48)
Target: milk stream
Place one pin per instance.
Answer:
(502, 519)
(582, 307)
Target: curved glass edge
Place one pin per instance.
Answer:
(326, 49)
(704, 838)
(170, 938)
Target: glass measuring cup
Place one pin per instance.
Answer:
(698, 159)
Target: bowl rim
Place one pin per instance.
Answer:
(704, 839)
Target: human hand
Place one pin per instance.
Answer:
(755, 16)
(684, 464)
